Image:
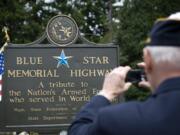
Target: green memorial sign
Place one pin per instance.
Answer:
(45, 85)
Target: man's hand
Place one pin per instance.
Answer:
(114, 83)
(144, 83)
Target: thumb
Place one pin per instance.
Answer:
(127, 85)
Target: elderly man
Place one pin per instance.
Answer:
(160, 113)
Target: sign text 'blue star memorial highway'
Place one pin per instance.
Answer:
(45, 85)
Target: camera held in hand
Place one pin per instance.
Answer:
(135, 76)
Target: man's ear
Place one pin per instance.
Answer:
(148, 60)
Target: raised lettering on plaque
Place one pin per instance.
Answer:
(45, 85)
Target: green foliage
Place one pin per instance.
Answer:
(23, 19)
(27, 20)
(135, 93)
(94, 19)
(136, 19)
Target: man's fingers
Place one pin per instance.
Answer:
(123, 70)
(127, 68)
(141, 64)
(114, 83)
(127, 85)
(144, 84)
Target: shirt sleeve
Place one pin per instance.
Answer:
(86, 121)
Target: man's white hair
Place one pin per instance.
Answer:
(175, 16)
(169, 55)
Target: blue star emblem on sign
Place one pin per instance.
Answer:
(62, 59)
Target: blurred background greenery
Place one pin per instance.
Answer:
(126, 23)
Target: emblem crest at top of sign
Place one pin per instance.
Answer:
(62, 30)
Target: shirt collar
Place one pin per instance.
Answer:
(171, 84)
